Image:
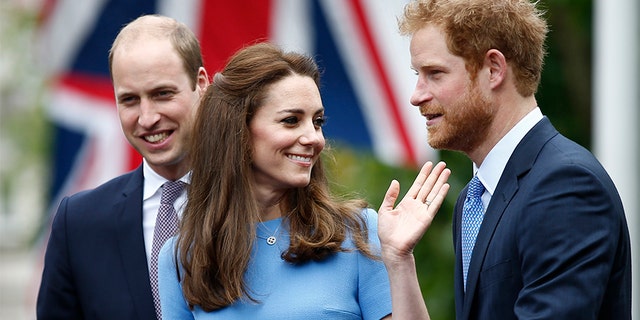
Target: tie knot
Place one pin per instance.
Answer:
(475, 189)
(170, 191)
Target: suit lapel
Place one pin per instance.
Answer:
(519, 164)
(131, 244)
(457, 243)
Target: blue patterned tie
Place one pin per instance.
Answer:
(166, 227)
(472, 214)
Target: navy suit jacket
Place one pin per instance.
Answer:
(554, 242)
(95, 265)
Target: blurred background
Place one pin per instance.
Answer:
(59, 131)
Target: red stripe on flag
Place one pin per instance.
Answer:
(99, 87)
(388, 93)
(227, 26)
(135, 159)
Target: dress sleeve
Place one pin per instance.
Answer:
(172, 301)
(374, 292)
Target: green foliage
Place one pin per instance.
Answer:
(24, 130)
(357, 173)
(565, 91)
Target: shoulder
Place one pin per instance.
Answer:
(113, 188)
(370, 218)
(168, 249)
(566, 161)
(545, 155)
(121, 193)
(566, 180)
(168, 254)
(545, 145)
(168, 266)
(369, 214)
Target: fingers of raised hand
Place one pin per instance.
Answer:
(390, 197)
(433, 205)
(439, 189)
(430, 182)
(418, 183)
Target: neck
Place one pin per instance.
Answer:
(171, 173)
(271, 212)
(509, 114)
(269, 203)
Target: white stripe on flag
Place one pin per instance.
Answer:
(385, 140)
(105, 153)
(290, 25)
(394, 48)
(185, 11)
(65, 31)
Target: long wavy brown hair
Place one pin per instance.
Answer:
(218, 225)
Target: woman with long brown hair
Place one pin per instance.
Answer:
(261, 236)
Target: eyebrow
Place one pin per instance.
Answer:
(299, 111)
(164, 86)
(160, 87)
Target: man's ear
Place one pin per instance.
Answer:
(202, 81)
(496, 63)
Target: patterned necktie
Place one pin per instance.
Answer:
(166, 227)
(472, 214)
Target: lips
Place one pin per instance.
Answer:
(430, 111)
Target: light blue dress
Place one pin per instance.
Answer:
(345, 286)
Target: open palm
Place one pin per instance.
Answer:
(401, 227)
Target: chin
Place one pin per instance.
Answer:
(303, 184)
(300, 183)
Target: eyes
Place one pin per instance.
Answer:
(320, 121)
(158, 95)
(127, 100)
(291, 121)
(430, 73)
(163, 94)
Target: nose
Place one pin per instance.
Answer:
(420, 94)
(311, 135)
(149, 116)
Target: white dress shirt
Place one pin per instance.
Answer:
(151, 195)
(496, 160)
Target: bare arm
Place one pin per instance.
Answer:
(401, 228)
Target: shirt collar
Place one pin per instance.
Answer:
(153, 181)
(494, 163)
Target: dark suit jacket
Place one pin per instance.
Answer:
(95, 265)
(554, 242)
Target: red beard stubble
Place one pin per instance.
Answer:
(464, 124)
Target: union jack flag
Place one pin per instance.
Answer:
(366, 81)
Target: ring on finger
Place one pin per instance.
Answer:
(427, 202)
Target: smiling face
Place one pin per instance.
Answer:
(286, 134)
(458, 114)
(156, 102)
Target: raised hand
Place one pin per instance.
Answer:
(400, 228)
